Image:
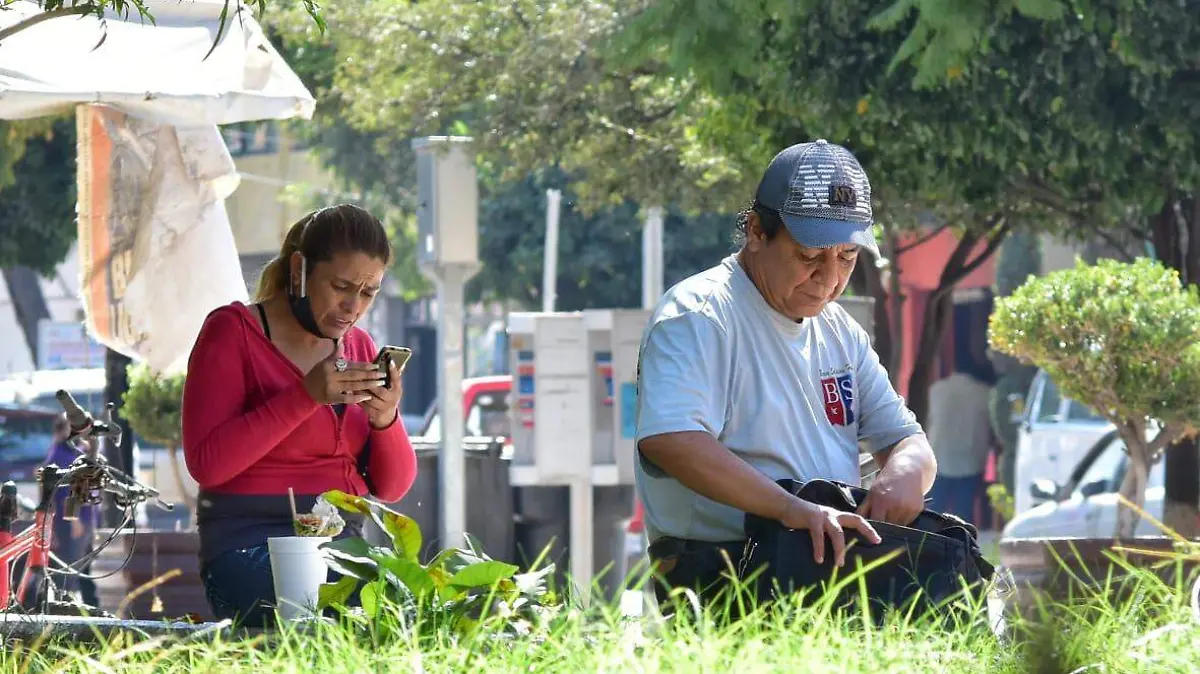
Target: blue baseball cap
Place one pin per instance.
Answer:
(822, 194)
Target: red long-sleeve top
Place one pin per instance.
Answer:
(249, 427)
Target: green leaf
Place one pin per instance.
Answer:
(370, 599)
(891, 17)
(404, 532)
(483, 574)
(335, 594)
(348, 502)
(410, 574)
(351, 557)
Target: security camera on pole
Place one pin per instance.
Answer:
(448, 253)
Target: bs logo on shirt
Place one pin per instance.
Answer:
(838, 394)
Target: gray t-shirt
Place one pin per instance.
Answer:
(959, 427)
(791, 399)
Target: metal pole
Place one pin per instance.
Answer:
(451, 460)
(550, 254)
(652, 257)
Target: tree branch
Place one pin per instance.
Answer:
(1112, 242)
(44, 16)
(1046, 196)
(922, 239)
(951, 278)
(1165, 438)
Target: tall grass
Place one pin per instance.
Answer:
(1151, 629)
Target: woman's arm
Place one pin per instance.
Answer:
(221, 438)
(393, 463)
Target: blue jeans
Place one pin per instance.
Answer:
(957, 496)
(239, 586)
(71, 549)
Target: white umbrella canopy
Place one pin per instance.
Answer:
(156, 71)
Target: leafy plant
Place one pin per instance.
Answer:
(1123, 338)
(462, 590)
(1001, 501)
(153, 406)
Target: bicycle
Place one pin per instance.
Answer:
(88, 477)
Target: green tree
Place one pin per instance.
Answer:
(600, 239)
(1075, 114)
(37, 207)
(600, 252)
(1121, 337)
(37, 215)
(375, 169)
(1103, 130)
(786, 72)
(530, 83)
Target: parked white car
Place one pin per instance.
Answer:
(1085, 504)
(1055, 433)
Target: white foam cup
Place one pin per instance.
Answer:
(298, 569)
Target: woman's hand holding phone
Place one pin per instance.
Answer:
(326, 385)
(383, 404)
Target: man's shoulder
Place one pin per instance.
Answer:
(836, 322)
(702, 295)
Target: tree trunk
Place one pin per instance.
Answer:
(1175, 233)
(891, 309)
(868, 281)
(896, 292)
(189, 500)
(933, 328)
(939, 310)
(29, 305)
(1133, 486)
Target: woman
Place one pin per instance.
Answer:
(282, 393)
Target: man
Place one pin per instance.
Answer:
(71, 539)
(748, 374)
(961, 435)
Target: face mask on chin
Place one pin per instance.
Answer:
(301, 305)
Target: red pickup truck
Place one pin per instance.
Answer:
(485, 410)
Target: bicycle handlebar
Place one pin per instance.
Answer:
(90, 472)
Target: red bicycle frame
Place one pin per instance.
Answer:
(34, 541)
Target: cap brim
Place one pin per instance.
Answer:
(826, 233)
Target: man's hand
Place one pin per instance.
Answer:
(906, 473)
(895, 498)
(822, 521)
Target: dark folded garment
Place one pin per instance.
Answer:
(936, 556)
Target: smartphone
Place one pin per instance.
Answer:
(395, 354)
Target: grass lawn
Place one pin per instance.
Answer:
(1153, 632)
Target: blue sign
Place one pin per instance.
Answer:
(629, 410)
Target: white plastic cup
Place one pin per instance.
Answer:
(298, 569)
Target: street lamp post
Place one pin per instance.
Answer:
(448, 253)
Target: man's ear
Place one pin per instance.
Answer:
(754, 232)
